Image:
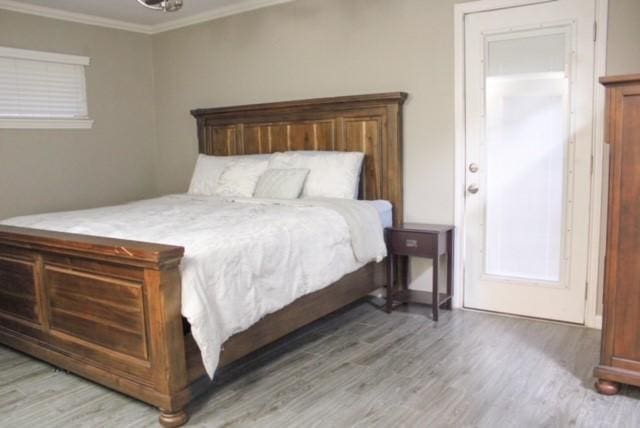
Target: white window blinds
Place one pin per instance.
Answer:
(42, 85)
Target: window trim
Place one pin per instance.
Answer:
(45, 122)
(44, 56)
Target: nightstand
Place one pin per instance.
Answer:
(419, 240)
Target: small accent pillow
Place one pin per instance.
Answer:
(239, 177)
(208, 169)
(331, 174)
(281, 183)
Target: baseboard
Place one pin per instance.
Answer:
(596, 322)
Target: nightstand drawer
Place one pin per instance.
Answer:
(413, 244)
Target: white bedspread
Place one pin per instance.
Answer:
(243, 259)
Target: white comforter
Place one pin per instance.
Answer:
(243, 259)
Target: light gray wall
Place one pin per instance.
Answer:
(50, 170)
(623, 57)
(317, 48)
(623, 42)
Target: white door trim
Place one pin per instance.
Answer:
(596, 243)
(462, 9)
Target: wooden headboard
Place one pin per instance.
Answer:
(366, 123)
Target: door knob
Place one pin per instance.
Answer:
(473, 167)
(473, 188)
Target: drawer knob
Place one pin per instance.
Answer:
(411, 243)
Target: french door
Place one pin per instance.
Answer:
(529, 95)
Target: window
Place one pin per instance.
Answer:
(42, 90)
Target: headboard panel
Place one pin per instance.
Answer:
(366, 123)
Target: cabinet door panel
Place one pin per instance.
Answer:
(627, 278)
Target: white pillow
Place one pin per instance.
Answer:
(239, 177)
(206, 173)
(281, 183)
(331, 174)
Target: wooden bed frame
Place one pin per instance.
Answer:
(109, 309)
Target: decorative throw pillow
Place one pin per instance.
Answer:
(208, 169)
(281, 183)
(331, 174)
(239, 177)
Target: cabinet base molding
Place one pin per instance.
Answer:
(610, 378)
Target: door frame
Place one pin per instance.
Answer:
(596, 214)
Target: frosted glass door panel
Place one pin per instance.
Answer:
(527, 135)
(533, 54)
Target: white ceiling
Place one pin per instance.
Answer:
(129, 12)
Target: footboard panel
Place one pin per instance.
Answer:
(99, 311)
(102, 308)
(18, 289)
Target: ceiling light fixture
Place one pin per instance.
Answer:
(163, 5)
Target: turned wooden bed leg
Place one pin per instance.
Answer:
(173, 419)
(606, 387)
(168, 352)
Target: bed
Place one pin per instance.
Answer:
(110, 309)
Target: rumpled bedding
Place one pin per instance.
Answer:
(243, 259)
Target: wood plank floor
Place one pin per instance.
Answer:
(363, 368)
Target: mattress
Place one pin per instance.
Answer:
(385, 212)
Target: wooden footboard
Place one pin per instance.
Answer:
(106, 309)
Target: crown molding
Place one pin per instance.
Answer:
(49, 12)
(220, 12)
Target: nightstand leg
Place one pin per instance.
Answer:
(436, 297)
(405, 273)
(390, 282)
(449, 269)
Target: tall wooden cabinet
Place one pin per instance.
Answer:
(620, 353)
